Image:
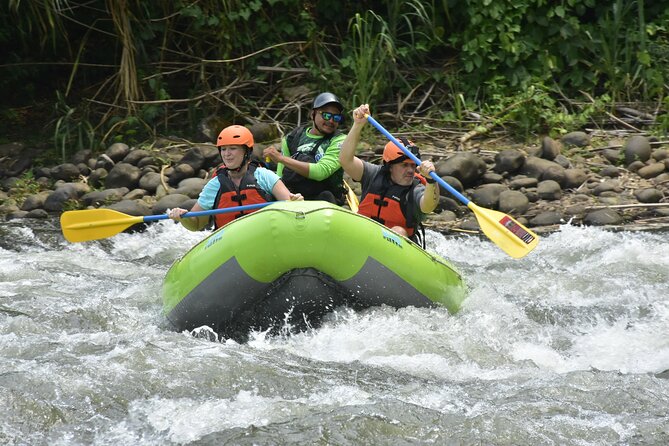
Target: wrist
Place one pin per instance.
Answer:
(430, 180)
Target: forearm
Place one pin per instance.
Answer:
(349, 144)
(351, 164)
(430, 199)
(195, 223)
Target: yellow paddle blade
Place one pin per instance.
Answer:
(94, 224)
(514, 239)
(351, 198)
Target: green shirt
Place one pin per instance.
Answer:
(327, 158)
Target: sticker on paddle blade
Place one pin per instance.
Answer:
(517, 230)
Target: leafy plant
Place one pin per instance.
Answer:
(72, 131)
(24, 186)
(373, 56)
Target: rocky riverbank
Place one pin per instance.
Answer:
(578, 179)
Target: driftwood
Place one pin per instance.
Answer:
(631, 205)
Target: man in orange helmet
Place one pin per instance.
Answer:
(240, 181)
(392, 194)
(309, 158)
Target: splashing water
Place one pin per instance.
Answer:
(568, 345)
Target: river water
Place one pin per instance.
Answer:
(569, 345)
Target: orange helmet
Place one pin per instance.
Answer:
(393, 154)
(235, 135)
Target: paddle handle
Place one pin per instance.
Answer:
(415, 159)
(247, 207)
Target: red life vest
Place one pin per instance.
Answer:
(249, 192)
(390, 204)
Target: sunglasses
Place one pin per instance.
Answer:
(337, 117)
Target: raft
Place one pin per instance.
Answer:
(291, 263)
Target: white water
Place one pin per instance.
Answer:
(565, 346)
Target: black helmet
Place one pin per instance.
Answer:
(326, 98)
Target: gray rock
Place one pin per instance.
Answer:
(448, 203)
(651, 171)
(660, 154)
(37, 213)
(82, 156)
(35, 201)
(444, 216)
(135, 156)
(470, 224)
(523, 182)
(123, 175)
(579, 139)
(637, 148)
(614, 156)
(65, 172)
(513, 202)
(170, 202)
(117, 151)
(574, 178)
(607, 186)
(487, 195)
(542, 169)
(636, 165)
(135, 194)
(610, 171)
(547, 218)
(191, 187)
(150, 182)
(549, 190)
(101, 197)
(454, 183)
(67, 191)
(104, 162)
(509, 160)
(179, 173)
(649, 195)
(97, 177)
(491, 178)
(549, 148)
(195, 158)
(264, 131)
(563, 161)
(131, 207)
(466, 166)
(661, 179)
(84, 169)
(602, 217)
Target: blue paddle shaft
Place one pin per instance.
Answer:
(247, 207)
(415, 159)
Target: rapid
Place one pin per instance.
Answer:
(569, 345)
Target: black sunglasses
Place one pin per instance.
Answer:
(337, 117)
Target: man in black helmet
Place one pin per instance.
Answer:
(309, 159)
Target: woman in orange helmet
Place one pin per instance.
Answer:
(392, 194)
(238, 182)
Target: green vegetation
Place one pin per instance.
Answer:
(104, 71)
(23, 187)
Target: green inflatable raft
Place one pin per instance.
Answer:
(291, 263)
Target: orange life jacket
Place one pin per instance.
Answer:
(390, 204)
(249, 192)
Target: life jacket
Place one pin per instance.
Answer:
(390, 204)
(309, 188)
(249, 192)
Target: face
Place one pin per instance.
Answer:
(326, 126)
(232, 155)
(403, 173)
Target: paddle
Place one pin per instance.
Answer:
(95, 224)
(514, 239)
(351, 198)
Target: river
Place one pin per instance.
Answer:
(567, 346)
